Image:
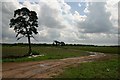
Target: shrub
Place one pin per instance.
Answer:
(35, 53)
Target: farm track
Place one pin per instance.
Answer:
(44, 69)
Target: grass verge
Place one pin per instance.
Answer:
(98, 69)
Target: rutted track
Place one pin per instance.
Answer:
(43, 69)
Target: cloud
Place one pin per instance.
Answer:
(0, 22)
(119, 18)
(112, 7)
(98, 27)
(79, 5)
(49, 17)
(97, 20)
(86, 9)
(7, 13)
(57, 22)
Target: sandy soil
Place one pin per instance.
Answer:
(44, 69)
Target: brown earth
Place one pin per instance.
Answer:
(44, 69)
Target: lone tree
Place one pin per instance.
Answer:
(56, 43)
(24, 23)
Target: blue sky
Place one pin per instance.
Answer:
(75, 7)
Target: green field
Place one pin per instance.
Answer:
(100, 69)
(102, 49)
(9, 52)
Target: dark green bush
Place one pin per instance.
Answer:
(35, 53)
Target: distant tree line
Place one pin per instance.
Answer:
(46, 44)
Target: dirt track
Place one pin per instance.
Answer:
(43, 69)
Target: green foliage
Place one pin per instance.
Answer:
(98, 69)
(35, 53)
(24, 22)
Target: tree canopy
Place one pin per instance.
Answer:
(25, 24)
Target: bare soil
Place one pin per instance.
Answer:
(44, 69)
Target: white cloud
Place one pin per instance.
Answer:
(57, 22)
(86, 9)
(79, 17)
(79, 5)
(0, 22)
(97, 20)
(112, 7)
(98, 23)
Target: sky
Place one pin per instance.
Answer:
(75, 22)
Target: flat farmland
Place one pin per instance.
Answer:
(9, 52)
(60, 62)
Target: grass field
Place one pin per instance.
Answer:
(48, 52)
(102, 49)
(51, 52)
(99, 69)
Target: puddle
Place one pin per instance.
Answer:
(42, 65)
(96, 53)
(92, 55)
(74, 58)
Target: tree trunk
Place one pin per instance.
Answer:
(30, 50)
(29, 42)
